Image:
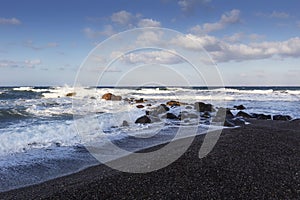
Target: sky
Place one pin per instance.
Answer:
(252, 43)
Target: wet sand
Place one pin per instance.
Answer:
(256, 161)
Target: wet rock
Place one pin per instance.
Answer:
(125, 123)
(140, 106)
(141, 100)
(240, 107)
(243, 115)
(112, 97)
(222, 114)
(229, 123)
(143, 120)
(71, 94)
(202, 107)
(93, 98)
(173, 103)
(189, 107)
(282, 117)
(162, 108)
(170, 116)
(185, 115)
(206, 115)
(261, 116)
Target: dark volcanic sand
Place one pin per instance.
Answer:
(258, 161)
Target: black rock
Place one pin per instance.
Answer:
(170, 116)
(206, 115)
(162, 108)
(261, 116)
(282, 117)
(125, 123)
(202, 107)
(143, 120)
(229, 123)
(222, 114)
(240, 107)
(244, 115)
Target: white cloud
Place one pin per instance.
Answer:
(280, 15)
(91, 33)
(226, 19)
(274, 14)
(222, 51)
(11, 21)
(25, 63)
(150, 57)
(148, 23)
(123, 18)
(30, 44)
(189, 5)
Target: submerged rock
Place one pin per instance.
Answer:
(162, 108)
(112, 97)
(125, 123)
(202, 107)
(261, 116)
(71, 94)
(282, 117)
(170, 116)
(140, 106)
(173, 103)
(240, 107)
(143, 120)
(243, 115)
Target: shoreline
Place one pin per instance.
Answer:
(259, 160)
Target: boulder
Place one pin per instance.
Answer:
(229, 123)
(240, 107)
(261, 116)
(125, 123)
(112, 97)
(173, 103)
(243, 115)
(206, 114)
(162, 108)
(143, 120)
(170, 116)
(202, 107)
(141, 100)
(140, 106)
(222, 114)
(185, 115)
(70, 94)
(282, 117)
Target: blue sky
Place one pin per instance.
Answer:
(252, 42)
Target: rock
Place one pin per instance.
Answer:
(140, 106)
(112, 97)
(282, 117)
(170, 116)
(189, 107)
(173, 103)
(238, 122)
(186, 115)
(162, 108)
(229, 123)
(125, 123)
(143, 120)
(202, 107)
(93, 98)
(206, 115)
(240, 107)
(141, 100)
(261, 116)
(149, 105)
(243, 115)
(222, 114)
(71, 94)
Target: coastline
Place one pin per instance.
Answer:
(259, 160)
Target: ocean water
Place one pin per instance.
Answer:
(43, 132)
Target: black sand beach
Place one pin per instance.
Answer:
(256, 161)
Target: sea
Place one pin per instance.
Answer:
(44, 132)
